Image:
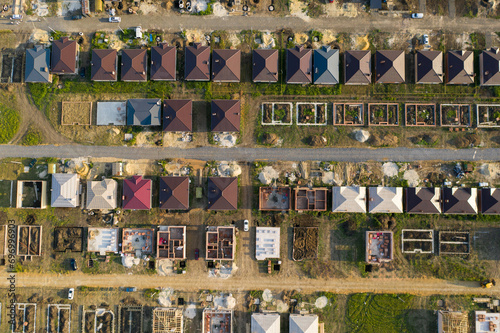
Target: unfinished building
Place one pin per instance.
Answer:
(453, 322)
(31, 194)
(102, 240)
(310, 199)
(168, 320)
(267, 243)
(454, 242)
(487, 322)
(274, 198)
(171, 242)
(417, 241)
(130, 319)
(305, 243)
(68, 239)
(379, 247)
(29, 240)
(137, 241)
(217, 321)
(221, 243)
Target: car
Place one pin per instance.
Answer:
(32, 163)
(17, 17)
(425, 39)
(196, 254)
(245, 225)
(82, 71)
(115, 19)
(130, 289)
(417, 15)
(76, 17)
(73, 264)
(71, 293)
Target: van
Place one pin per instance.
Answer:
(417, 15)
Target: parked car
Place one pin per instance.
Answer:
(76, 17)
(245, 225)
(115, 19)
(73, 264)
(17, 17)
(130, 289)
(196, 254)
(425, 39)
(417, 15)
(82, 71)
(32, 163)
(71, 293)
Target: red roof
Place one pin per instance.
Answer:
(137, 193)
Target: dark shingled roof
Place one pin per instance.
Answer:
(143, 112)
(390, 66)
(174, 193)
(357, 67)
(490, 201)
(459, 200)
(226, 65)
(197, 63)
(134, 65)
(265, 65)
(225, 115)
(37, 65)
(177, 115)
(222, 193)
(421, 200)
(64, 53)
(326, 65)
(163, 62)
(460, 67)
(429, 67)
(299, 65)
(104, 65)
(489, 67)
(137, 193)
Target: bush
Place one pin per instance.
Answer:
(9, 124)
(32, 138)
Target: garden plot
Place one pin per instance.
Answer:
(305, 243)
(488, 115)
(25, 318)
(417, 241)
(381, 114)
(68, 239)
(130, 319)
(420, 114)
(454, 242)
(59, 318)
(348, 114)
(29, 240)
(455, 115)
(277, 113)
(311, 114)
(76, 113)
(100, 320)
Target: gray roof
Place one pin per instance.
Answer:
(265, 322)
(326, 65)
(303, 323)
(144, 112)
(37, 65)
(65, 190)
(102, 194)
(385, 200)
(350, 199)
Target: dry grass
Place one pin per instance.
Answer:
(76, 113)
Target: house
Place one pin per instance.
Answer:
(225, 115)
(220, 243)
(265, 323)
(299, 65)
(267, 243)
(265, 65)
(137, 193)
(459, 200)
(379, 246)
(429, 67)
(222, 193)
(390, 66)
(487, 322)
(168, 320)
(357, 67)
(197, 63)
(274, 198)
(144, 112)
(490, 200)
(174, 193)
(102, 240)
(64, 56)
(65, 190)
(460, 67)
(217, 321)
(226, 65)
(171, 242)
(31, 194)
(423, 200)
(134, 65)
(310, 199)
(349, 199)
(385, 199)
(163, 62)
(177, 115)
(102, 194)
(37, 65)
(299, 323)
(453, 321)
(326, 65)
(489, 67)
(103, 66)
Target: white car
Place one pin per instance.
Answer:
(245, 225)
(71, 293)
(425, 39)
(417, 15)
(115, 19)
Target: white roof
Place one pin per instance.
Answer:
(385, 200)
(265, 323)
(484, 326)
(350, 199)
(102, 195)
(303, 323)
(102, 240)
(267, 243)
(65, 190)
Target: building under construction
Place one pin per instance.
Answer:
(168, 320)
(310, 199)
(453, 322)
(171, 242)
(221, 243)
(217, 321)
(274, 198)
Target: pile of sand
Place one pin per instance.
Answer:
(390, 169)
(229, 169)
(190, 311)
(321, 302)
(267, 175)
(267, 295)
(412, 177)
(298, 9)
(225, 302)
(361, 135)
(165, 296)
(328, 178)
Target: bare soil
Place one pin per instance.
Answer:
(68, 239)
(305, 243)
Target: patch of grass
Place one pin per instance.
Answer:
(9, 123)
(32, 138)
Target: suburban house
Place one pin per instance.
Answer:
(220, 243)
(217, 321)
(453, 321)
(137, 193)
(423, 200)
(177, 115)
(65, 190)
(163, 63)
(489, 67)
(104, 65)
(459, 200)
(310, 199)
(267, 243)
(102, 194)
(144, 112)
(326, 65)
(390, 66)
(197, 63)
(174, 193)
(489, 200)
(487, 322)
(222, 193)
(429, 67)
(134, 66)
(171, 242)
(459, 67)
(349, 199)
(103, 240)
(265, 323)
(265, 65)
(37, 65)
(64, 56)
(307, 323)
(379, 247)
(299, 65)
(225, 115)
(274, 198)
(357, 67)
(385, 199)
(226, 65)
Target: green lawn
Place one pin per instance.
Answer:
(6, 189)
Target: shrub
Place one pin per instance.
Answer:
(32, 138)
(9, 124)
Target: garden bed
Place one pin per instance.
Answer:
(454, 242)
(488, 115)
(276, 113)
(59, 318)
(311, 113)
(455, 115)
(100, 318)
(25, 318)
(420, 114)
(68, 239)
(131, 318)
(417, 241)
(380, 114)
(348, 114)
(305, 243)
(29, 240)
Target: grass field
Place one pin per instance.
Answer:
(6, 189)
(9, 123)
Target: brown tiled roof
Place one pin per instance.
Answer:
(222, 193)
(174, 193)
(134, 65)
(490, 201)
(423, 200)
(104, 65)
(225, 115)
(459, 67)
(177, 115)
(489, 67)
(390, 66)
(226, 65)
(459, 200)
(64, 53)
(299, 65)
(163, 62)
(265, 65)
(357, 67)
(429, 67)
(197, 63)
